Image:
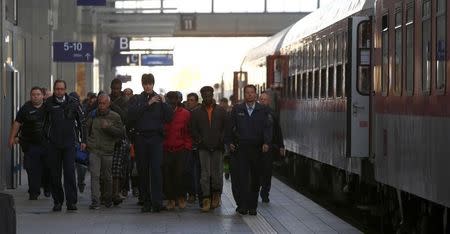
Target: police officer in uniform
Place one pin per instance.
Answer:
(64, 126)
(29, 122)
(249, 135)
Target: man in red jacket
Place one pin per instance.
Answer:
(177, 143)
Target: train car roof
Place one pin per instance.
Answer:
(324, 17)
(271, 46)
(310, 24)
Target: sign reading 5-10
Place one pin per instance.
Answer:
(69, 51)
(75, 46)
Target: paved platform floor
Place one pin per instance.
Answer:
(288, 212)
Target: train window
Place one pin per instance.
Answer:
(339, 48)
(323, 51)
(409, 49)
(316, 84)
(317, 56)
(345, 67)
(339, 81)
(323, 83)
(440, 45)
(384, 54)
(364, 45)
(331, 51)
(397, 81)
(426, 46)
(310, 85)
(330, 81)
(304, 86)
(299, 85)
(311, 57)
(293, 86)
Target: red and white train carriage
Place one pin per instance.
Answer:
(361, 89)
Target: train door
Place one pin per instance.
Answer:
(358, 86)
(11, 105)
(277, 77)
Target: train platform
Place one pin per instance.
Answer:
(287, 212)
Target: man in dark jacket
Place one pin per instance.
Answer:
(249, 135)
(64, 126)
(276, 150)
(148, 113)
(29, 122)
(208, 130)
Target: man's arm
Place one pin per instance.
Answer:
(81, 123)
(13, 133)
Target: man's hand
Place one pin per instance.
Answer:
(232, 147)
(265, 148)
(154, 99)
(105, 123)
(282, 152)
(11, 142)
(83, 146)
(162, 98)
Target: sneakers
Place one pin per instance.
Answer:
(181, 203)
(206, 204)
(94, 206)
(81, 187)
(170, 205)
(191, 198)
(57, 207)
(252, 212)
(265, 199)
(215, 200)
(135, 192)
(72, 207)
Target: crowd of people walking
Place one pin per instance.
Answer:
(164, 151)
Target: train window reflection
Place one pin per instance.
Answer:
(397, 82)
(385, 55)
(409, 49)
(440, 45)
(364, 80)
(426, 47)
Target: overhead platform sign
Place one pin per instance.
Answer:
(125, 60)
(156, 60)
(91, 2)
(78, 52)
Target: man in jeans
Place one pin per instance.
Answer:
(104, 128)
(208, 129)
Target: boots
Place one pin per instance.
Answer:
(170, 205)
(181, 203)
(206, 204)
(215, 200)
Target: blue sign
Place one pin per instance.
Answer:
(91, 2)
(121, 44)
(125, 60)
(82, 52)
(157, 60)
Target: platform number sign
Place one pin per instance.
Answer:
(73, 52)
(91, 2)
(188, 22)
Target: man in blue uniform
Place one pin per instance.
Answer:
(64, 126)
(147, 113)
(249, 135)
(29, 123)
